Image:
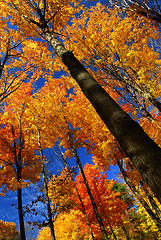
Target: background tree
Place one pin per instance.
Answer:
(106, 200)
(8, 231)
(133, 140)
(19, 164)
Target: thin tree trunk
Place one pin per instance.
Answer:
(144, 153)
(20, 211)
(18, 163)
(46, 189)
(156, 220)
(84, 212)
(114, 235)
(80, 199)
(75, 154)
(153, 203)
(154, 206)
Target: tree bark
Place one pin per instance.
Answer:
(114, 235)
(153, 203)
(144, 153)
(46, 190)
(20, 211)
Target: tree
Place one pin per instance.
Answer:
(60, 189)
(70, 226)
(146, 225)
(19, 164)
(46, 19)
(110, 206)
(62, 158)
(140, 198)
(126, 64)
(8, 231)
(44, 234)
(15, 65)
(149, 9)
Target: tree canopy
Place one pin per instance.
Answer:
(77, 75)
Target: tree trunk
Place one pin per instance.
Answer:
(84, 212)
(18, 163)
(153, 203)
(75, 154)
(46, 190)
(48, 205)
(153, 216)
(144, 153)
(114, 235)
(20, 211)
(80, 199)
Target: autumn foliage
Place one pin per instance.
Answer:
(43, 108)
(8, 231)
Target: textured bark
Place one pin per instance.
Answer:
(151, 12)
(136, 144)
(155, 206)
(46, 190)
(145, 94)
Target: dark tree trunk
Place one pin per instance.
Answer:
(80, 199)
(84, 212)
(153, 203)
(100, 222)
(48, 205)
(46, 189)
(114, 235)
(153, 216)
(20, 211)
(144, 153)
(18, 163)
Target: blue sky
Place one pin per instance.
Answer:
(10, 213)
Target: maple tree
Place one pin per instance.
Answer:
(60, 189)
(105, 199)
(70, 226)
(8, 231)
(139, 196)
(79, 136)
(11, 64)
(67, 226)
(19, 164)
(45, 118)
(112, 54)
(68, 169)
(45, 19)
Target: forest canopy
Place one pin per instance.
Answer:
(75, 77)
